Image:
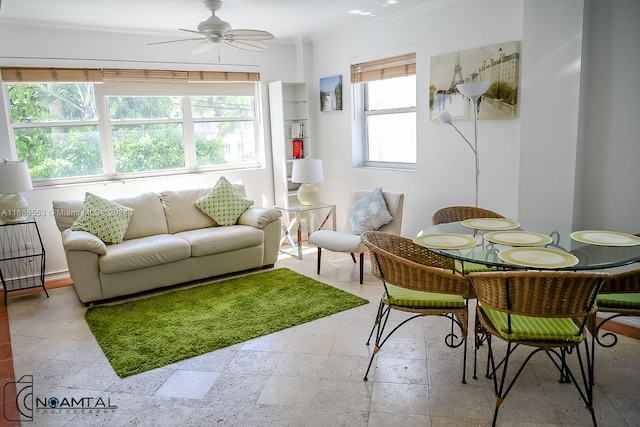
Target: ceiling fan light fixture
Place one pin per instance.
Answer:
(213, 25)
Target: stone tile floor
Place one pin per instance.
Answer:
(309, 375)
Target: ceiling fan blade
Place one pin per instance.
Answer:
(174, 41)
(191, 31)
(250, 45)
(244, 34)
(202, 47)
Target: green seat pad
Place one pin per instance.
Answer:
(631, 300)
(472, 267)
(410, 298)
(534, 328)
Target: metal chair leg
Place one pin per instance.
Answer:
(377, 321)
(361, 266)
(318, 257)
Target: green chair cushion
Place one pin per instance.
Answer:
(471, 267)
(630, 300)
(410, 298)
(534, 328)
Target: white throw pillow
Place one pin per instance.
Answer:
(369, 213)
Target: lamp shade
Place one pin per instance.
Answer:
(14, 177)
(473, 90)
(307, 171)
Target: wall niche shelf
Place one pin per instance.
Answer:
(289, 109)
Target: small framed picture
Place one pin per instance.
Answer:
(331, 93)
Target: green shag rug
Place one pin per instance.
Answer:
(152, 332)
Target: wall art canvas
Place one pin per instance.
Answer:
(331, 93)
(498, 64)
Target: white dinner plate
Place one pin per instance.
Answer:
(446, 241)
(518, 238)
(605, 238)
(538, 257)
(490, 224)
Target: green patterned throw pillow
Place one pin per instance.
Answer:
(369, 213)
(224, 204)
(103, 218)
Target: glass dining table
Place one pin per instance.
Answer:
(524, 244)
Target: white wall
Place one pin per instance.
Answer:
(445, 170)
(571, 155)
(550, 83)
(611, 157)
(573, 151)
(36, 45)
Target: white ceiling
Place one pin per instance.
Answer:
(286, 19)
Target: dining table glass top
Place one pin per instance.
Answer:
(510, 244)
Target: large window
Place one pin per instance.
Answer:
(385, 107)
(106, 124)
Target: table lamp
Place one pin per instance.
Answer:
(14, 179)
(307, 172)
(473, 91)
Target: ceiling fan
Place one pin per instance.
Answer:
(214, 30)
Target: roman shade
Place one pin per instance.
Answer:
(386, 68)
(95, 75)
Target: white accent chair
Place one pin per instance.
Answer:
(347, 241)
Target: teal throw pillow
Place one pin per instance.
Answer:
(369, 213)
(224, 204)
(105, 219)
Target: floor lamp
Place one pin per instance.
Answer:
(473, 91)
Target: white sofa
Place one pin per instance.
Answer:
(168, 241)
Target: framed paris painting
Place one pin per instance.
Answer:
(498, 64)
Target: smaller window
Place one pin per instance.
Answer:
(390, 120)
(385, 106)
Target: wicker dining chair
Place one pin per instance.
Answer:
(417, 281)
(460, 213)
(619, 296)
(546, 310)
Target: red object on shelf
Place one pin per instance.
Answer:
(297, 149)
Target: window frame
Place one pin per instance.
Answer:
(108, 83)
(361, 75)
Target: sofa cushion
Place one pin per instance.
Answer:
(210, 241)
(148, 215)
(181, 213)
(103, 218)
(144, 252)
(66, 212)
(224, 204)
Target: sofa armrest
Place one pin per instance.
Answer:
(259, 217)
(82, 241)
